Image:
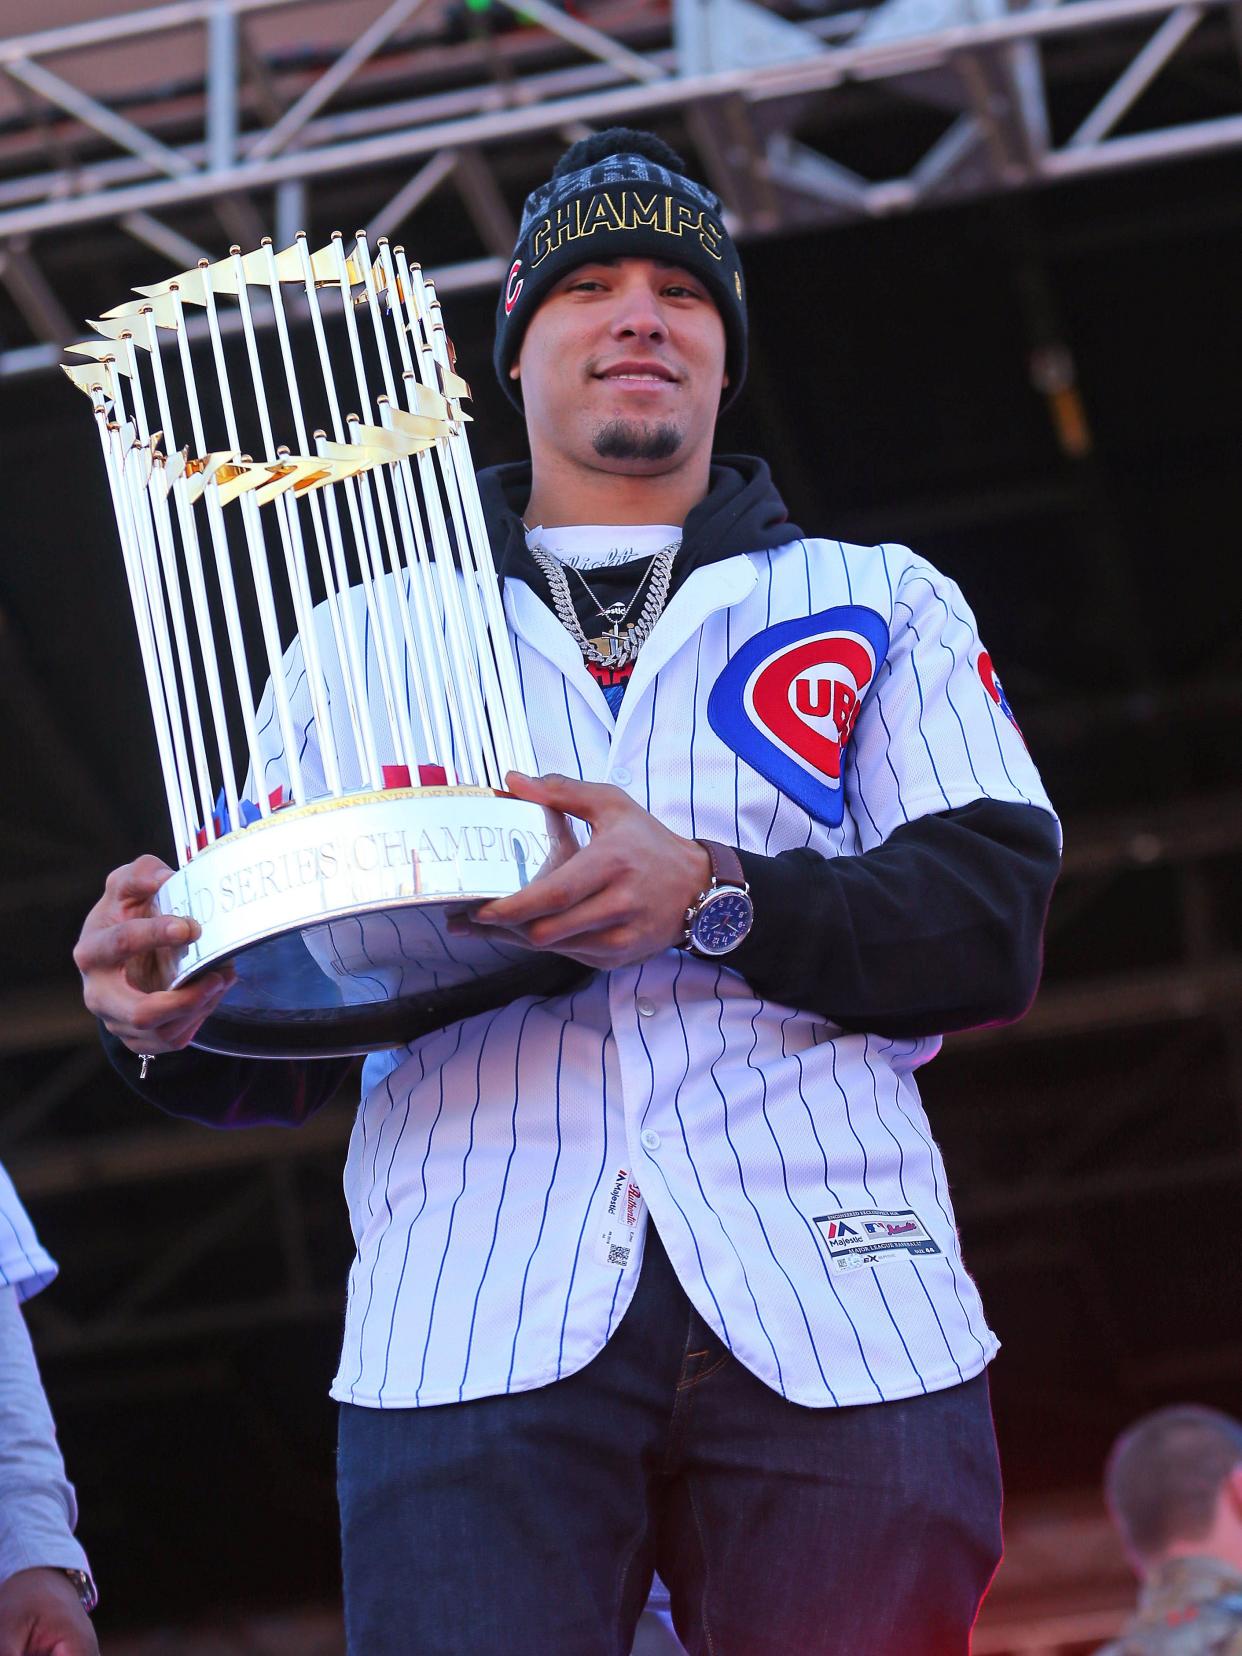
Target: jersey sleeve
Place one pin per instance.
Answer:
(24, 1264)
(936, 731)
(271, 742)
(308, 738)
(38, 1507)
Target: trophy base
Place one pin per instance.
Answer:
(334, 915)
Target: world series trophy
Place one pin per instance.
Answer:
(352, 572)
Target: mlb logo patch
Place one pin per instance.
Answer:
(987, 672)
(788, 700)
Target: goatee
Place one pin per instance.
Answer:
(632, 440)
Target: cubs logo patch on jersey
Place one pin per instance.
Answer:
(787, 701)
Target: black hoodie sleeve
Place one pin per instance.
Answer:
(229, 1092)
(262, 1092)
(940, 928)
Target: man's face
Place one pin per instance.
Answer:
(621, 369)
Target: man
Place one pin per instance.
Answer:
(45, 1584)
(1174, 1489)
(656, 1265)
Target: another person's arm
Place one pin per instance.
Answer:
(41, 1613)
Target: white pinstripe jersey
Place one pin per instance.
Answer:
(788, 1166)
(24, 1263)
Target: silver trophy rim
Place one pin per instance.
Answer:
(301, 1026)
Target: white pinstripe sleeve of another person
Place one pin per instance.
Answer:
(25, 1265)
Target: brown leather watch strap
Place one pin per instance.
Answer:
(726, 864)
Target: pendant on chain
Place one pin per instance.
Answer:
(611, 648)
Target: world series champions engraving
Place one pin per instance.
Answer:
(331, 681)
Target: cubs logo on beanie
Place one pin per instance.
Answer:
(620, 194)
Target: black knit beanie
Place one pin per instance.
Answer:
(615, 195)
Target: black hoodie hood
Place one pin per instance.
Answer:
(741, 512)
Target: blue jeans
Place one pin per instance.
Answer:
(530, 1525)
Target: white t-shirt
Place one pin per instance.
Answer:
(590, 546)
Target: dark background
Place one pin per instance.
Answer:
(1094, 1151)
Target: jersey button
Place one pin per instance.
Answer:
(646, 1008)
(649, 1139)
(622, 777)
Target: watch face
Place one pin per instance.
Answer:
(723, 921)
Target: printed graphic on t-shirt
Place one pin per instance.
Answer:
(612, 681)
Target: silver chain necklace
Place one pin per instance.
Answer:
(617, 647)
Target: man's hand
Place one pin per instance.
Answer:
(614, 902)
(41, 1615)
(125, 955)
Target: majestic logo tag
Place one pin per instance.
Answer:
(787, 701)
(868, 1236)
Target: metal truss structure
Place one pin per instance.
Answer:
(234, 108)
(242, 116)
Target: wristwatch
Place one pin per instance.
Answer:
(720, 917)
(84, 1587)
